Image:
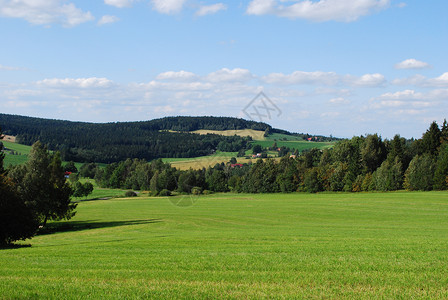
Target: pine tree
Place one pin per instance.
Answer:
(41, 183)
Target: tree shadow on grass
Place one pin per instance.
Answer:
(68, 226)
(14, 246)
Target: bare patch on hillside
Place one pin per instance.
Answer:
(255, 134)
(9, 138)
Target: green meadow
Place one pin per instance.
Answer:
(20, 155)
(318, 246)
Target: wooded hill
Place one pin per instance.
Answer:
(113, 142)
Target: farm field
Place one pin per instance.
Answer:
(299, 145)
(20, 156)
(339, 246)
(207, 161)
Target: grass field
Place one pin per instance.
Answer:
(16, 159)
(299, 145)
(318, 246)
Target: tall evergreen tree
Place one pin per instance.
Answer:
(431, 140)
(17, 222)
(42, 184)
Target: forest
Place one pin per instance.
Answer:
(113, 142)
(362, 163)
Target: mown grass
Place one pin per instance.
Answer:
(337, 246)
(20, 156)
(299, 145)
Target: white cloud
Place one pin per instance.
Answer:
(412, 64)
(227, 75)
(369, 80)
(319, 11)
(176, 86)
(45, 12)
(168, 6)
(420, 80)
(300, 77)
(108, 20)
(8, 68)
(119, 3)
(324, 78)
(339, 101)
(85, 83)
(330, 114)
(440, 81)
(409, 99)
(180, 75)
(210, 9)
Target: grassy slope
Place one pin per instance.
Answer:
(338, 246)
(298, 145)
(23, 151)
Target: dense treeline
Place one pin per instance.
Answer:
(359, 164)
(112, 142)
(33, 193)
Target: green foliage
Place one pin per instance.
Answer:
(113, 142)
(130, 194)
(70, 167)
(88, 170)
(431, 140)
(257, 149)
(389, 176)
(419, 175)
(164, 193)
(441, 171)
(41, 183)
(82, 189)
(17, 221)
(313, 184)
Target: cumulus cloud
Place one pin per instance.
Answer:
(420, 80)
(180, 75)
(318, 11)
(324, 78)
(168, 6)
(412, 64)
(45, 12)
(408, 99)
(119, 3)
(339, 101)
(210, 9)
(108, 20)
(301, 77)
(227, 75)
(369, 80)
(85, 83)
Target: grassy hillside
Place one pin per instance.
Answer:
(324, 246)
(20, 153)
(299, 145)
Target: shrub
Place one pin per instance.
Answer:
(130, 194)
(165, 193)
(196, 190)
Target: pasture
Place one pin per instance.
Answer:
(20, 155)
(340, 246)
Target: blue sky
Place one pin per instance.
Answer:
(340, 67)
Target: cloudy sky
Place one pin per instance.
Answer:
(340, 67)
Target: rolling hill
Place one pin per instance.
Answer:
(170, 137)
